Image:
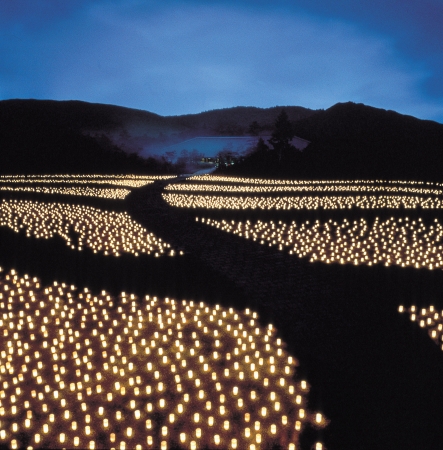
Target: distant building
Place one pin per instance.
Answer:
(208, 160)
(299, 143)
(226, 160)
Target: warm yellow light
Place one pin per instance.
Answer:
(238, 374)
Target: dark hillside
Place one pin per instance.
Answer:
(354, 141)
(46, 137)
(236, 121)
(49, 136)
(75, 115)
(374, 143)
(348, 140)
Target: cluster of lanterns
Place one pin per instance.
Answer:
(389, 194)
(131, 181)
(302, 202)
(112, 194)
(263, 181)
(109, 232)
(116, 182)
(300, 188)
(427, 318)
(403, 241)
(79, 370)
(110, 179)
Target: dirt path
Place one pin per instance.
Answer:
(245, 263)
(360, 356)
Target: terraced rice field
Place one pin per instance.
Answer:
(78, 371)
(75, 184)
(106, 346)
(102, 231)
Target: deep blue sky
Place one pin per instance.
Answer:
(177, 57)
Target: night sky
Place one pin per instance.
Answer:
(178, 57)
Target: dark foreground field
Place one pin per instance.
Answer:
(376, 375)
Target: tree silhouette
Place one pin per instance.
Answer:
(254, 128)
(261, 147)
(282, 134)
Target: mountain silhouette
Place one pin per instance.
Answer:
(355, 141)
(347, 140)
(47, 136)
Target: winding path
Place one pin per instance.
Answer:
(373, 373)
(264, 274)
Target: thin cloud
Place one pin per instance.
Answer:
(191, 58)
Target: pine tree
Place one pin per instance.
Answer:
(254, 128)
(261, 147)
(282, 134)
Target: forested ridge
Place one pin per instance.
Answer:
(355, 141)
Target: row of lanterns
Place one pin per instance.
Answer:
(108, 232)
(396, 241)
